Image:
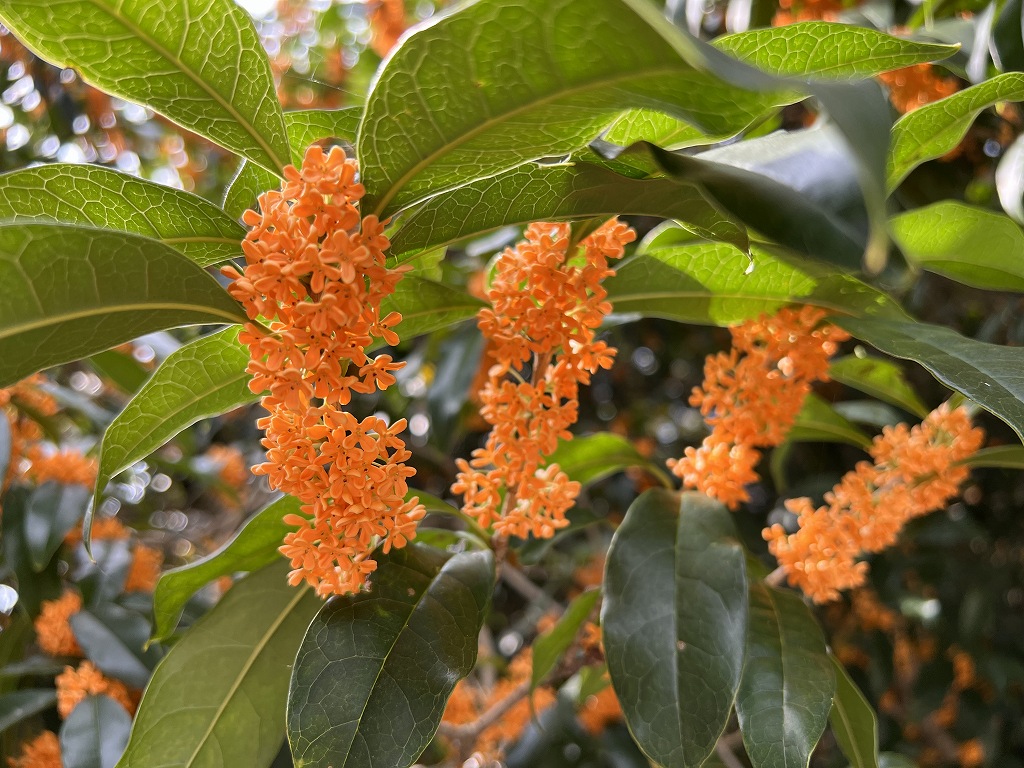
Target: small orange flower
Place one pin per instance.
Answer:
(232, 469)
(41, 752)
(600, 710)
(53, 626)
(103, 529)
(971, 754)
(68, 467)
(145, 569)
(387, 21)
(74, 685)
(913, 87)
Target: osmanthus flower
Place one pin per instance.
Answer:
(546, 303)
(43, 751)
(144, 571)
(913, 471)
(67, 466)
(751, 397)
(27, 396)
(53, 625)
(315, 278)
(75, 685)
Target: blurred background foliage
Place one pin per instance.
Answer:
(936, 642)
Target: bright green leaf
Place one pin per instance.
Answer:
(880, 378)
(71, 291)
(594, 457)
(100, 197)
(787, 684)
(375, 670)
(253, 547)
(674, 621)
(552, 645)
(17, 705)
(936, 128)
(199, 62)
(818, 422)
(853, 721)
(218, 697)
(95, 733)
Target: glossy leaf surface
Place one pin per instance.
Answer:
(95, 733)
(853, 721)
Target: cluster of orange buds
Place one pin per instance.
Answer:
(316, 275)
(387, 22)
(16, 403)
(917, 85)
(751, 397)
(913, 471)
(807, 10)
(546, 302)
(43, 751)
(67, 466)
(75, 685)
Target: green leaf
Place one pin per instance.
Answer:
(198, 62)
(487, 100)
(674, 620)
(304, 128)
(428, 306)
(218, 697)
(200, 379)
(17, 705)
(787, 684)
(853, 721)
(5, 446)
(880, 378)
(121, 369)
(33, 587)
(253, 547)
(1002, 456)
(95, 733)
(1010, 180)
(989, 374)
(71, 292)
(555, 192)
(113, 638)
(594, 457)
(971, 245)
(53, 510)
(936, 128)
(819, 422)
(375, 670)
(716, 284)
(552, 645)
(100, 197)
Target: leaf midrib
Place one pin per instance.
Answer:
(53, 320)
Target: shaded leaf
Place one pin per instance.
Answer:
(989, 374)
(53, 510)
(880, 378)
(936, 128)
(674, 620)
(787, 686)
(594, 457)
(95, 733)
(853, 721)
(552, 645)
(72, 291)
(100, 197)
(375, 670)
(253, 547)
(113, 638)
(198, 62)
(119, 368)
(428, 306)
(1003, 456)
(218, 696)
(17, 705)
(819, 422)
(971, 245)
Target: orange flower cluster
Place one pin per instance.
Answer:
(145, 569)
(316, 273)
(16, 402)
(74, 685)
(387, 21)
(751, 396)
(67, 466)
(807, 10)
(41, 752)
(917, 85)
(546, 304)
(600, 710)
(53, 625)
(231, 467)
(914, 470)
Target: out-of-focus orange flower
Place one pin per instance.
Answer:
(67, 466)
(74, 685)
(315, 273)
(971, 754)
(53, 625)
(41, 752)
(103, 529)
(546, 304)
(145, 569)
(917, 85)
(600, 710)
(807, 10)
(16, 403)
(387, 22)
(914, 471)
(751, 396)
(231, 466)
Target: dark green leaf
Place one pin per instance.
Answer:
(989, 374)
(376, 669)
(121, 369)
(73, 291)
(113, 639)
(33, 587)
(1004, 456)
(201, 379)
(674, 621)
(552, 645)
(853, 721)
(428, 306)
(33, 666)
(199, 62)
(787, 684)
(53, 510)
(594, 457)
(100, 197)
(95, 733)
(936, 128)
(17, 705)
(879, 378)
(253, 547)
(818, 422)
(971, 245)
(218, 697)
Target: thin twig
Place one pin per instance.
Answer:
(776, 577)
(519, 581)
